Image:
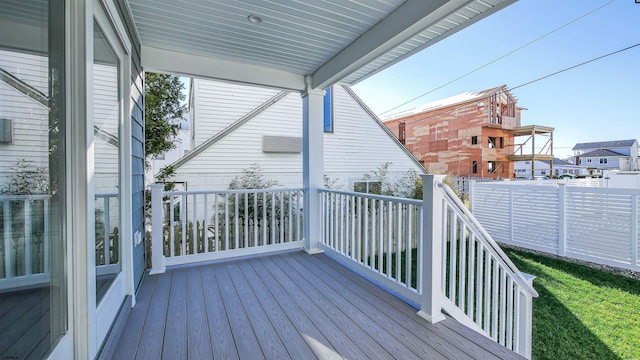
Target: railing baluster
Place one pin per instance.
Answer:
(360, 234)
(494, 300)
(389, 236)
(216, 238)
(236, 220)
(107, 229)
(340, 224)
(172, 230)
(503, 306)
(353, 226)
(46, 235)
(365, 242)
(479, 285)
(183, 223)
(398, 242)
(487, 291)
(194, 248)
(510, 310)
(226, 221)
(471, 275)
(205, 224)
(290, 215)
(462, 263)
(452, 255)
(245, 196)
(380, 235)
(408, 246)
(27, 237)
(372, 240)
(256, 241)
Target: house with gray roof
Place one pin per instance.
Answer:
(617, 155)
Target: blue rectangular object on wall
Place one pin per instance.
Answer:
(328, 110)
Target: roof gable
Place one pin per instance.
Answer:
(601, 152)
(605, 144)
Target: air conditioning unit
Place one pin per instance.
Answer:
(5, 131)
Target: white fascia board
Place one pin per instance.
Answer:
(406, 21)
(166, 61)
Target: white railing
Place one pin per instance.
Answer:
(107, 234)
(484, 289)
(435, 253)
(25, 239)
(194, 226)
(586, 182)
(600, 225)
(24, 250)
(381, 233)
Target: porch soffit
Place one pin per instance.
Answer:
(335, 41)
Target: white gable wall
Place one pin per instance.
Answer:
(217, 104)
(357, 146)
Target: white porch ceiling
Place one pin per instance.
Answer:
(332, 40)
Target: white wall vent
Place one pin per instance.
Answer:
(281, 144)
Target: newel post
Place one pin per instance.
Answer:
(525, 331)
(431, 249)
(157, 256)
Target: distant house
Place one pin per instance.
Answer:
(561, 168)
(224, 116)
(607, 155)
(471, 134)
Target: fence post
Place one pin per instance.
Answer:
(562, 220)
(634, 233)
(430, 264)
(157, 256)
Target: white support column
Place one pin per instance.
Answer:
(157, 257)
(312, 166)
(431, 254)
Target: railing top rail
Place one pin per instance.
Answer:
(227, 191)
(24, 197)
(106, 195)
(452, 198)
(375, 197)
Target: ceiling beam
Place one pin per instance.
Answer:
(406, 21)
(166, 61)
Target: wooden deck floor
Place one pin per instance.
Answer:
(24, 324)
(290, 305)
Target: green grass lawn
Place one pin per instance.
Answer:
(582, 313)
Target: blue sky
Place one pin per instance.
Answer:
(596, 102)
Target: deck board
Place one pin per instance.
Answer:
(288, 305)
(175, 332)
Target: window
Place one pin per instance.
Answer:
(603, 160)
(492, 142)
(543, 172)
(474, 140)
(474, 167)
(491, 167)
(402, 132)
(501, 143)
(328, 110)
(159, 157)
(368, 187)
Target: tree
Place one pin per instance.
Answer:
(163, 104)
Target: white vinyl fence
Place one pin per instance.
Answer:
(599, 225)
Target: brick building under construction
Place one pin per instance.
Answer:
(471, 135)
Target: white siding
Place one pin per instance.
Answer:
(218, 104)
(106, 117)
(29, 118)
(357, 146)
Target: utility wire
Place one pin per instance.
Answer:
(500, 57)
(574, 66)
(547, 76)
